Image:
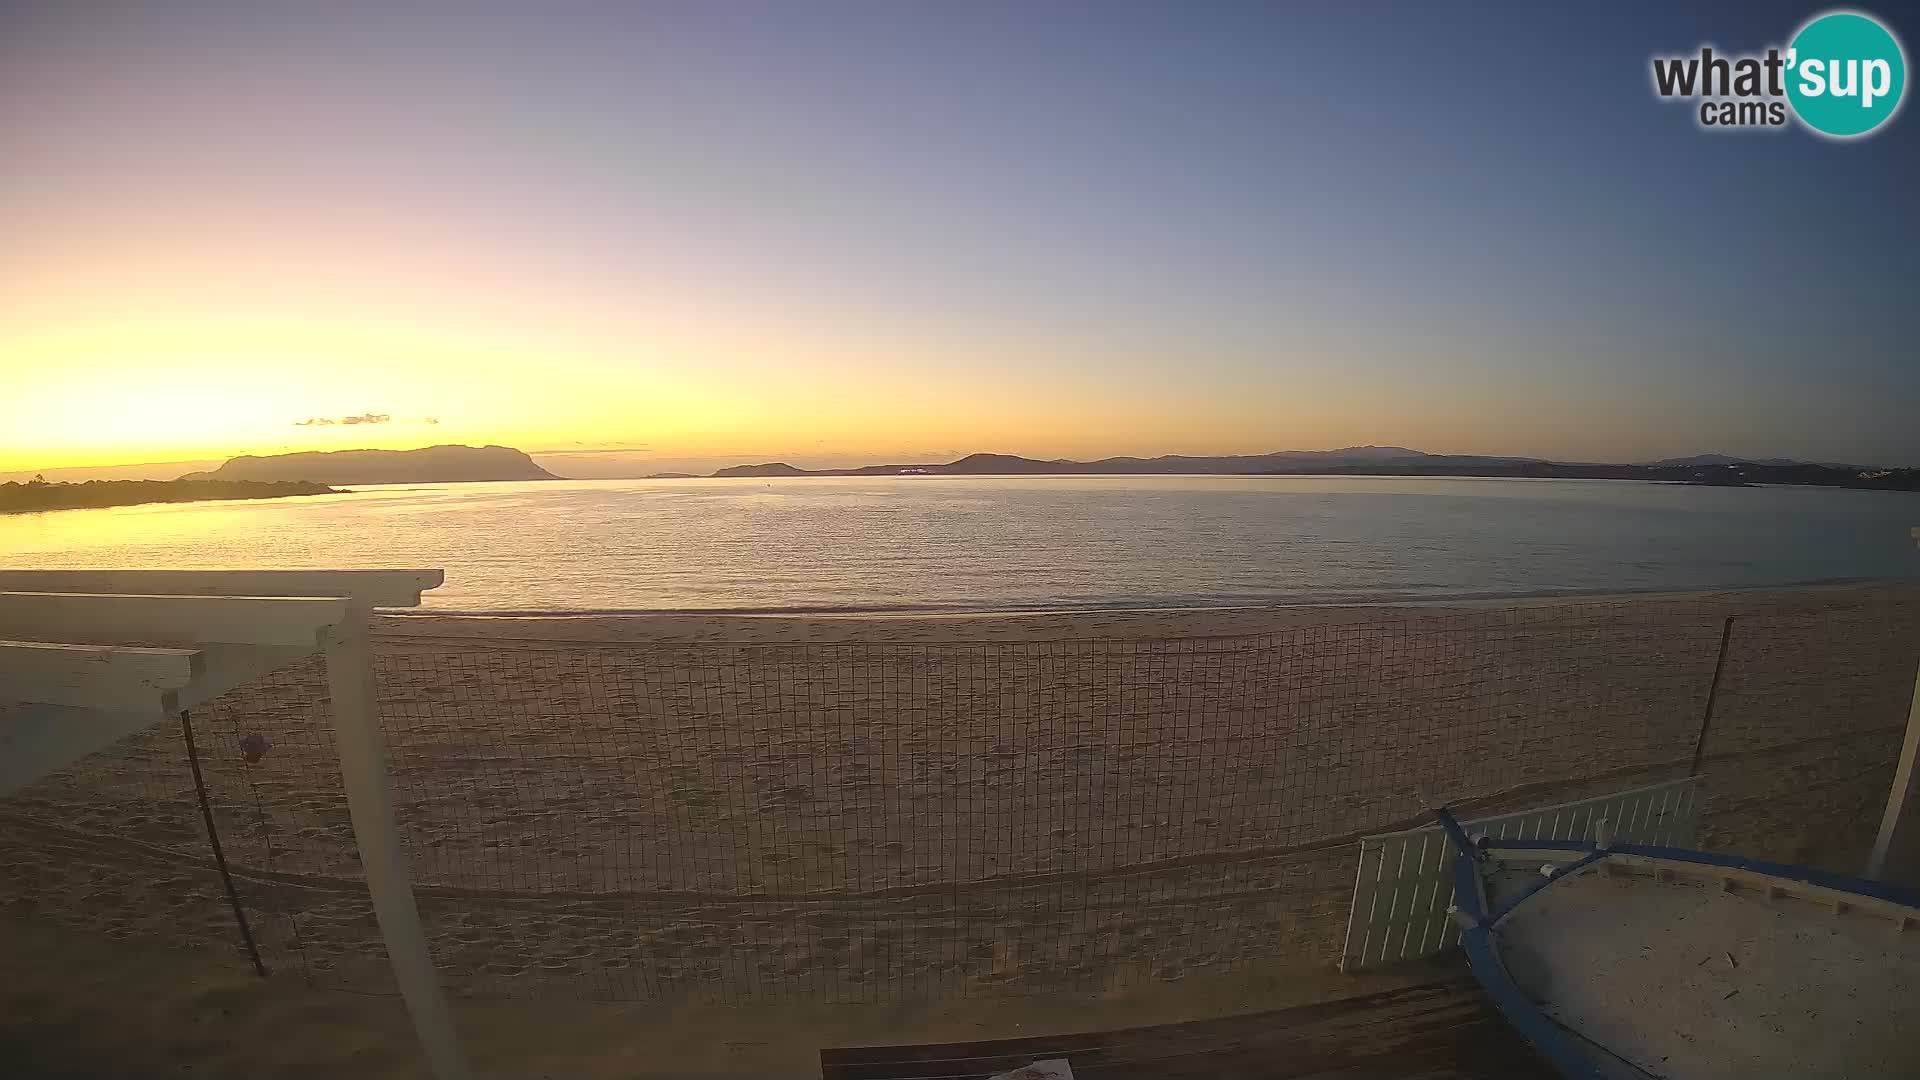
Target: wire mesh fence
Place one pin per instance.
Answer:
(880, 820)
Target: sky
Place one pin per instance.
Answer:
(677, 236)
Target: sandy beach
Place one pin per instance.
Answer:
(739, 810)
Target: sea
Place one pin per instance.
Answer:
(947, 543)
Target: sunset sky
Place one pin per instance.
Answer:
(830, 234)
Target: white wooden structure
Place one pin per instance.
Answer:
(1404, 886)
(1900, 821)
(90, 656)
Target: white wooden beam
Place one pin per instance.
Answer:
(367, 588)
(1900, 821)
(169, 620)
(364, 767)
(118, 677)
(94, 676)
(220, 668)
(39, 739)
(85, 697)
(236, 638)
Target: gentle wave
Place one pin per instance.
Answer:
(885, 545)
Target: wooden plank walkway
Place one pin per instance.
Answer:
(1438, 1031)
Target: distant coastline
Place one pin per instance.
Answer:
(33, 497)
(446, 464)
(1707, 471)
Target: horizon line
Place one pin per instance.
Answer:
(782, 459)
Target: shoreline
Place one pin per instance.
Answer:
(116, 494)
(429, 628)
(1317, 602)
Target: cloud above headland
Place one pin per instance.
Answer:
(330, 421)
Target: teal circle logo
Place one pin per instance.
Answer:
(1846, 74)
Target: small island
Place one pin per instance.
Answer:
(448, 464)
(36, 495)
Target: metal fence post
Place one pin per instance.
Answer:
(219, 853)
(1713, 696)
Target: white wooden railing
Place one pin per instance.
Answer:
(90, 656)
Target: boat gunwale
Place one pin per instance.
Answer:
(1478, 939)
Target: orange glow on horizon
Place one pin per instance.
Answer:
(189, 384)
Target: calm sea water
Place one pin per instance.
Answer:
(953, 542)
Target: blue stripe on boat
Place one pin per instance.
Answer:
(1483, 954)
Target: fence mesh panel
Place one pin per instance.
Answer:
(875, 821)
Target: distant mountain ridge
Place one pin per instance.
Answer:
(450, 464)
(1383, 461)
(769, 468)
(1250, 464)
(1009, 464)
(427, 465)
(1726, 459)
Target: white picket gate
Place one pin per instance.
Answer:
(1404, 886)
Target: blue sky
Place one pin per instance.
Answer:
(830, 231)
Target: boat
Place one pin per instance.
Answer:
(1620, 960)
